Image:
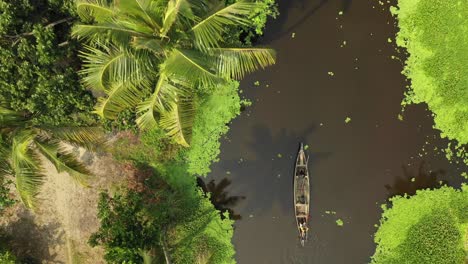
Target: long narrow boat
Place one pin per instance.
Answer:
(301, 194)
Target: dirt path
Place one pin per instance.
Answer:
(59, 230)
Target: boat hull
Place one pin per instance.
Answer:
(301, 194)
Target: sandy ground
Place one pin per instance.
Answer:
(58, 231)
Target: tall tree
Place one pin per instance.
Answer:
(155, 54)
(23, 142)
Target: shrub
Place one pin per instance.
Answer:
(40, 63)
(7, 258)
(430, 227)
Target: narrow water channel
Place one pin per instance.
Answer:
(330, 67)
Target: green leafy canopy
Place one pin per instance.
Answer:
(169, 49)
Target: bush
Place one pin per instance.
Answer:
(430, 227)
(134, 222)
(126, 227)
(40, 63)
(248, 35)
(7, 258)
(203, 236)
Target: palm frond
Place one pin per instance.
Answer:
(178, 121)
(98, 10)
(193, 67)
(150, 44)
(164, 94)
(90, 138)
(9, 118)
(176, 9)
(148, 256)
(109, 64)
(143, 10)
(208, 31)
(115, 31)
(236, 62)
(64, 161)
(120, 96)
(26, 168)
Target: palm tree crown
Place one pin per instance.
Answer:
(154, 54)
(22, 143)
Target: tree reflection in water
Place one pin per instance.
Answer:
(413, 181)
(220, 197)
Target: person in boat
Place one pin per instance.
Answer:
(303, 228)
(301, 172)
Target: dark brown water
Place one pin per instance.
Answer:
(354, 166)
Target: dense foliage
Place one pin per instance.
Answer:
(182, 221)
(156, 56)
(126, 227)
(7, 258)
(434, 34)
(429, 227)
(202, 237)
(39, 63)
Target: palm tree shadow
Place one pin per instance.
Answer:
(415, 180)
(32, 242)
(266, 179)
(220, 198)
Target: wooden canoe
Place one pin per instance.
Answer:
(301, 194)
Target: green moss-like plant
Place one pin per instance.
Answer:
(429, 227)
(214, 113)
(435, 35)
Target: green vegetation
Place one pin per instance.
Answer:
(168, 217)
(434, 34)
(126, 227)
(40, 63)
(158, 56)
(23, 141)
(7, 258)
(339, 222)
(168, 66)
(429, 227)
(214, 112)
(5, 198)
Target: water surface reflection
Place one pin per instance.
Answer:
(219, 196)
(413, 180)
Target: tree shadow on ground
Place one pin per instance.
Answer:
(33, 243)
(411, 181)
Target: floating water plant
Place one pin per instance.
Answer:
(339, 222)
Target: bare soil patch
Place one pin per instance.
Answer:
(58, 231)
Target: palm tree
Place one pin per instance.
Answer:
(155, 54)
(22, 142)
